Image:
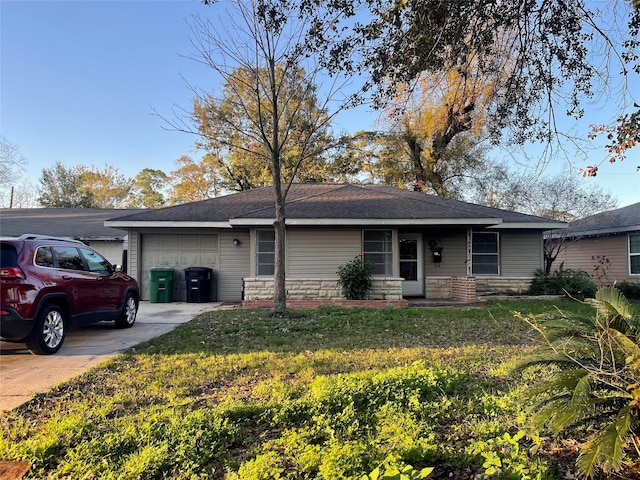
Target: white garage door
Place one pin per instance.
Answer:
(177, 252)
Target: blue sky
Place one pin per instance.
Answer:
(79, 81)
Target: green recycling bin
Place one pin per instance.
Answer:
(160, 285)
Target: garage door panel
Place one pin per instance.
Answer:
(190, 258)
(171, 258)
(193, 242)
(208, 244)
(154, 241)
(208, 258)
(175, 241)
(177, 251)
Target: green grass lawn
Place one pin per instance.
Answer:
(330, 393)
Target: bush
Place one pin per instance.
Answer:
(573, 283)
(595, 391)
(630, 290)
(354, 279)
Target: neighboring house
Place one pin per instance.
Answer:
(605, 245)
(419, 245)
(84, 224)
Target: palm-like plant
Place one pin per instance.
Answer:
(595, 382)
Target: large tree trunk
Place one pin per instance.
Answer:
(279, 291)
(415, 151)
(425, 177)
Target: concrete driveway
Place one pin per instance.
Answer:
(22, 375)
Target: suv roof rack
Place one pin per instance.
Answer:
(35, 236)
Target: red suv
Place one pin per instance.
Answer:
(49, 285)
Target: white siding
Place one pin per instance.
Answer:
(234, 265)
(520, 254)
(133, 236)
(454, 253)
(319, 252)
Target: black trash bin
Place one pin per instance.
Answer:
(199, 281)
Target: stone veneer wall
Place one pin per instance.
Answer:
(319, 288)
(437, 288)
(502, 285)
(448, 288)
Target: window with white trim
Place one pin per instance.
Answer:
(377, 246)
(484, 253)
(634, 254)
(265, 253)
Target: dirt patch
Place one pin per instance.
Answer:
(13, 469)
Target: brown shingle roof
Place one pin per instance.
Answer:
(625, 219)
(306, 202)
(78, 223)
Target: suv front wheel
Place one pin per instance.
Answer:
(128, 316)
(48, 333)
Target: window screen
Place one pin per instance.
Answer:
(634, 254)
(378, 251)
(484, 253)
(265, 252)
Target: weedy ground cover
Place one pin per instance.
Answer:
(329, 393)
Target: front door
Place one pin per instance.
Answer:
(411, 264)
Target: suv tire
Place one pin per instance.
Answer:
(49, 332)
(129, 311)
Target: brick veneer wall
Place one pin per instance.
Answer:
(463, 288)
(319, 288)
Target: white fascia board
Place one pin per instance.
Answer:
(605, 231)
(531, 225)
(171, 224)
(103, 239)
(251, 222)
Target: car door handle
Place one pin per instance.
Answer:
(99, 279)
(66, 277)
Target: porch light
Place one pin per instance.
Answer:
(236, 242)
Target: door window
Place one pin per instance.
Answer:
(44, 257)
(68, 258)
(409, 258)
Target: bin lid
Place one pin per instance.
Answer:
(161, 269)
(198, 269)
